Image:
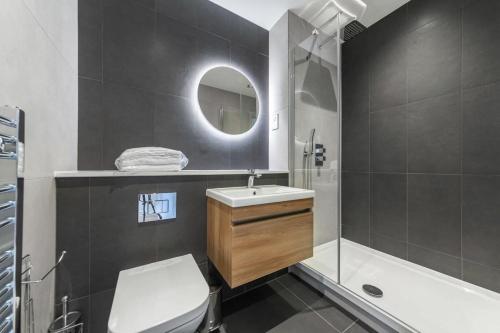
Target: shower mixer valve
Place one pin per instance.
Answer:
(319, 155)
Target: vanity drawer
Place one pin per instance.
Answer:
(263, 247)
(261, 212)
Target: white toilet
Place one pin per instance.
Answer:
(167, 296)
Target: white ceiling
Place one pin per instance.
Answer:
(266, 13)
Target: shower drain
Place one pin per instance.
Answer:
(373, 291)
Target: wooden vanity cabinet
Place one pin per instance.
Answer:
(247, 243)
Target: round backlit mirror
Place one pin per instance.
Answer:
(228, 100)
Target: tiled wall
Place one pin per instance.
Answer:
(38, 66)
(138, 65)
(97, 225)
(421, 137)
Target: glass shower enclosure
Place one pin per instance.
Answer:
(315, 147)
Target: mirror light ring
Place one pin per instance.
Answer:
(206, 124)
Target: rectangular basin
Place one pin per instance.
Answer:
(258, 195)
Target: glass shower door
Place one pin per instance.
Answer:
(316, 138)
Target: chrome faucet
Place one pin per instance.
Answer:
(252, 177)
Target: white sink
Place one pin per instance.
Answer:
(258, 195)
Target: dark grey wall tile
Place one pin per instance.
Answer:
(182, 132)
(118, 241)
(185, 11)
(480, 28)
(388, 205)
(388, 140)
(187, 233)
(423, 12)
(356, 207)
(90, 11)
(90, 56)
(388, 75)
(434, 128)
(211, 49)
(356, 142)
(175, 57)
(434, 54)
(100, 308)
(388, 245)
(434, 212)
(151, 4)
(481, 275)
(160, 48)
(129, 43)
(128, 121)
(481, 128)
(72, 235)
(481, 219)
(390, 28)
(437, 261)
(90, 124)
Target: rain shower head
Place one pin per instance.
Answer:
(353, 8)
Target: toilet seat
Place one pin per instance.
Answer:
(159, 297)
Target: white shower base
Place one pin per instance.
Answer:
(423, 299)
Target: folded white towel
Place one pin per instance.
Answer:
(151, 159)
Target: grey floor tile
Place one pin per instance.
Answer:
(271, 308)
(360, 327)
(333, 313)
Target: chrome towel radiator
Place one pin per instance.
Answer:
(11, 193)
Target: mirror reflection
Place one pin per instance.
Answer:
(228, 100)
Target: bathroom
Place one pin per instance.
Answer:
(249, 166)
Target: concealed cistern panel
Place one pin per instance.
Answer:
(157, 207)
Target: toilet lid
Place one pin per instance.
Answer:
(158, 297)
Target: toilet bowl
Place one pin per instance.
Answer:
(167, 296)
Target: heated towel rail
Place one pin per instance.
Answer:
(11, 186)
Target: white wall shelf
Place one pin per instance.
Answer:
(115, 173)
